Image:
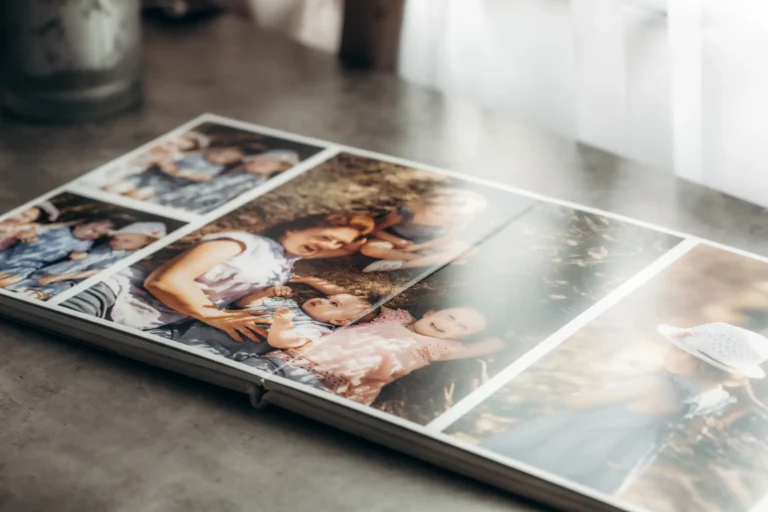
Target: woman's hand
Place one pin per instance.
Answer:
(280, 291)
(46, 280)
(27, 236)
(239, 325)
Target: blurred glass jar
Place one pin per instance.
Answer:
(70, 60)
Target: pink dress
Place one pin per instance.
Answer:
(357, 362)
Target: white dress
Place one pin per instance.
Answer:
(263, 263)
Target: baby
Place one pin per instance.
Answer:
(27, 257)
(358, 361)
(285, 324)
(53, 279)
(423, 232)
(170, 172)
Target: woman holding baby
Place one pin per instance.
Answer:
(202, 282)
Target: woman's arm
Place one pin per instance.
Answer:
(174, 285)
(459, 350)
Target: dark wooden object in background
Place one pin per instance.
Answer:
(370, 35)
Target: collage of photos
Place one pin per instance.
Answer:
(659, 401)
(405, 290)
(201, 169)
(56, 244)
(393, 287)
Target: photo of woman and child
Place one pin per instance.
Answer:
(58, 243)
(660, 401)
(285, 283)
(202, 169)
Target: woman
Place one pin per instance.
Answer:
(203, 281)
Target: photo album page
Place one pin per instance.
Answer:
(616, 358)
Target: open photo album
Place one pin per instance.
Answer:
(577, 357)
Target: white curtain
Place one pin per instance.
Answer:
(733, 85)
(596, 70)
(679, 84)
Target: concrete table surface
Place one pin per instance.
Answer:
(82, 430)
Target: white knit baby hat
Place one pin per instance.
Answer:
(153, 229)
(733, 349)
(282, 155)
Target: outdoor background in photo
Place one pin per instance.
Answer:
(541, 271)
(714, 465)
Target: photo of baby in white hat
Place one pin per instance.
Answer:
(655, 401)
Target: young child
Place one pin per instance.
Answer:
(604, 437)
(358, 361)
(285, 324)
(24, 226)
(423, 232)
(53, 279)
(206, 196)
(24, 258)
(171, 172)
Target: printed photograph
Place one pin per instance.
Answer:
(201, 169)
(660, 401)
(58, 243)
(390, 286)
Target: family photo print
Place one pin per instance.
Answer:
(659, 401)
(58, 243)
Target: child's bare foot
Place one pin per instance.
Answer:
(385, 266)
